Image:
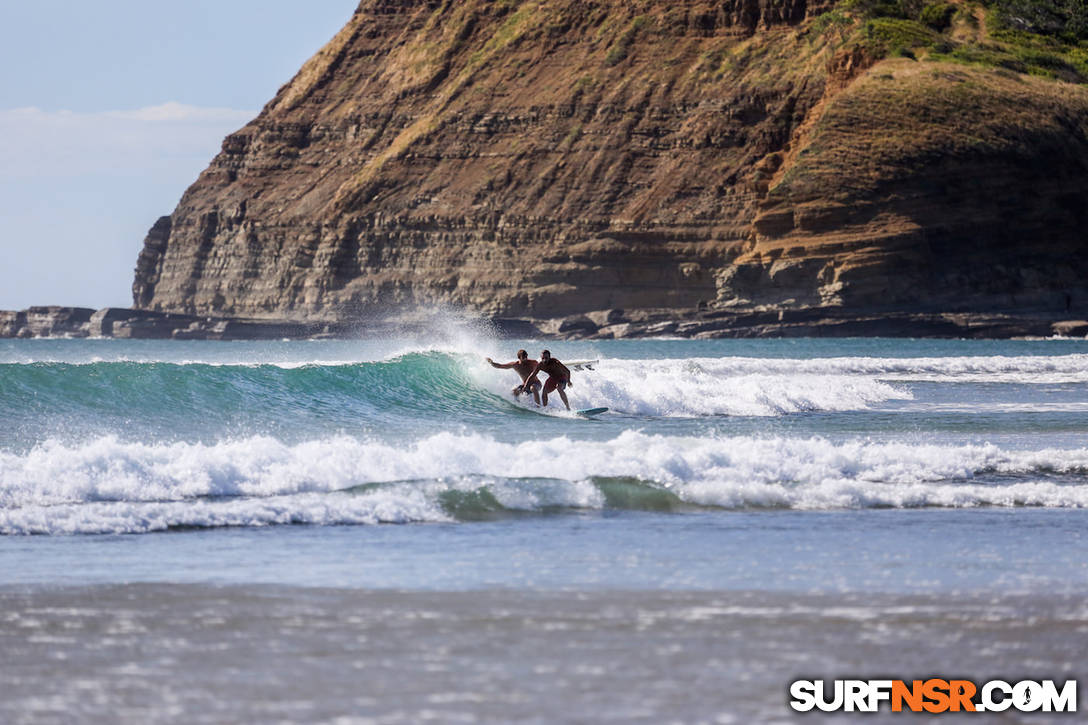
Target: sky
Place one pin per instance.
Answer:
(108, 112)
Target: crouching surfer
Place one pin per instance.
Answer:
(558, 377)
(524, 367)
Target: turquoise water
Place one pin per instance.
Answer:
(375, 531)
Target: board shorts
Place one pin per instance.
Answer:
(554, 383)
(523, 388)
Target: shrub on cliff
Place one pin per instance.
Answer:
(937, 15)
(1047, 38)
(1065, 19)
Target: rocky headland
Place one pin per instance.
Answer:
(615, 169)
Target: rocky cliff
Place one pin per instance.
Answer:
(690, 159)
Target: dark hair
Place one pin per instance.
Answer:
(545, 353)
(522, 353)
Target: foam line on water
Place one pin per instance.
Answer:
(1025, 369)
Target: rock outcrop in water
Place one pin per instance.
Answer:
(76, 322)
(126, 323)
(616, 168)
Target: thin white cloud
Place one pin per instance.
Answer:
(169, 111)
(180, 112)
(36, 143)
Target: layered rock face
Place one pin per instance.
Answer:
(554, 158)
(932, 187)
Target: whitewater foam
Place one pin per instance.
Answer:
(113, 486)
(694, 388)
(1026, 369)
(144, 517)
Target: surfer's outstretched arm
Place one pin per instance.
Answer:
(502, 366)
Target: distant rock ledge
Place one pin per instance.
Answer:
(124, 323)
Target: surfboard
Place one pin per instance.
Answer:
(581, 364)
(590, 412)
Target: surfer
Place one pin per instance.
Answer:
(524, 367)
(558, 377)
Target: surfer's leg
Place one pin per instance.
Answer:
(563, 394)
(549, 386)
(536, 393)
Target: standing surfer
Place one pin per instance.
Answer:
(524, 367)
(558, 377)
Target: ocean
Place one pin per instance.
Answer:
(374, 531)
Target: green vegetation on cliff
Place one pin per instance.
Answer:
(1046, 38)
(1064, 19)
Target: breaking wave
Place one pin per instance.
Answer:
(110, 486)
(424, 383)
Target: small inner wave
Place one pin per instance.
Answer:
(141, 517)
(467, 498)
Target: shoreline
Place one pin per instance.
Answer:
(164, 653)
(126, 323)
